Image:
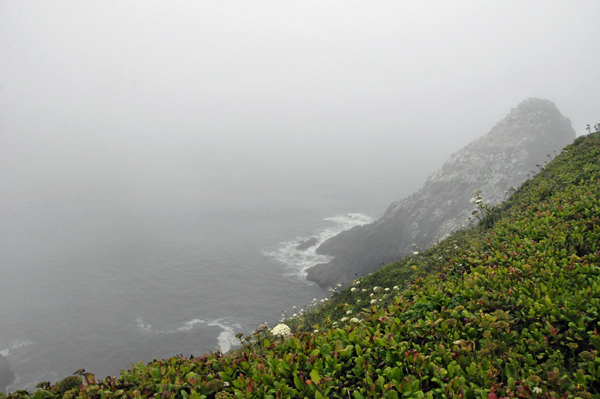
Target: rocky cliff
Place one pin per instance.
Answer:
(494, 163)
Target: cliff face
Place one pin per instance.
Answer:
(494, 163)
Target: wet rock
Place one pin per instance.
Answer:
(311, 242)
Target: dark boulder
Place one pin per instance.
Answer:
(311, 242)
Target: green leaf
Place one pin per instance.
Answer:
(396, 374)
(358, 350)
(510, 371)
(451, 369)
(39, 394)
(314, 376)
(89, 378)
(472, 369)
(357, 395)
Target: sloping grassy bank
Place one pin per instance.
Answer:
(509, 308)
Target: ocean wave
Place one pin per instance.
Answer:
(15, 344)
(225, 339)
(297, 261)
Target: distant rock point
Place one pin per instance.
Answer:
(497, 161)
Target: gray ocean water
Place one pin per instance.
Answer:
(101, 288)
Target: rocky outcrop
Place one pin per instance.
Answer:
(6, 374)
(305, 244)
(494, 163)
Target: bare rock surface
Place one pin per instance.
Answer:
(494, 163)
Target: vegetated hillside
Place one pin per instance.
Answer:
(507, 308)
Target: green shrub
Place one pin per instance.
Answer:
(71, 382)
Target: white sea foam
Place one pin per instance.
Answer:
(15, 344)
(299, 261)
(142, 326)
(225, 338)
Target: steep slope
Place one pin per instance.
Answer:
(493, 164)
(508, 310)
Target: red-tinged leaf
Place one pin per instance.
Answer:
(523, 391)
(250, 386)
(90, 379)
(308, 382)
(492, 395)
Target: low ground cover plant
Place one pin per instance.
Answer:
(507, 308)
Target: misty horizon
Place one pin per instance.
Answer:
(203, 103)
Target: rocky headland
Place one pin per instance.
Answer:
(496, 162)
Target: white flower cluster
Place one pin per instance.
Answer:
(480, 207)
(281, 330)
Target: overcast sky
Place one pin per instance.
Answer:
(205, 101)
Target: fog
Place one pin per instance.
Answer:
(183, 104)
(160, 160)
